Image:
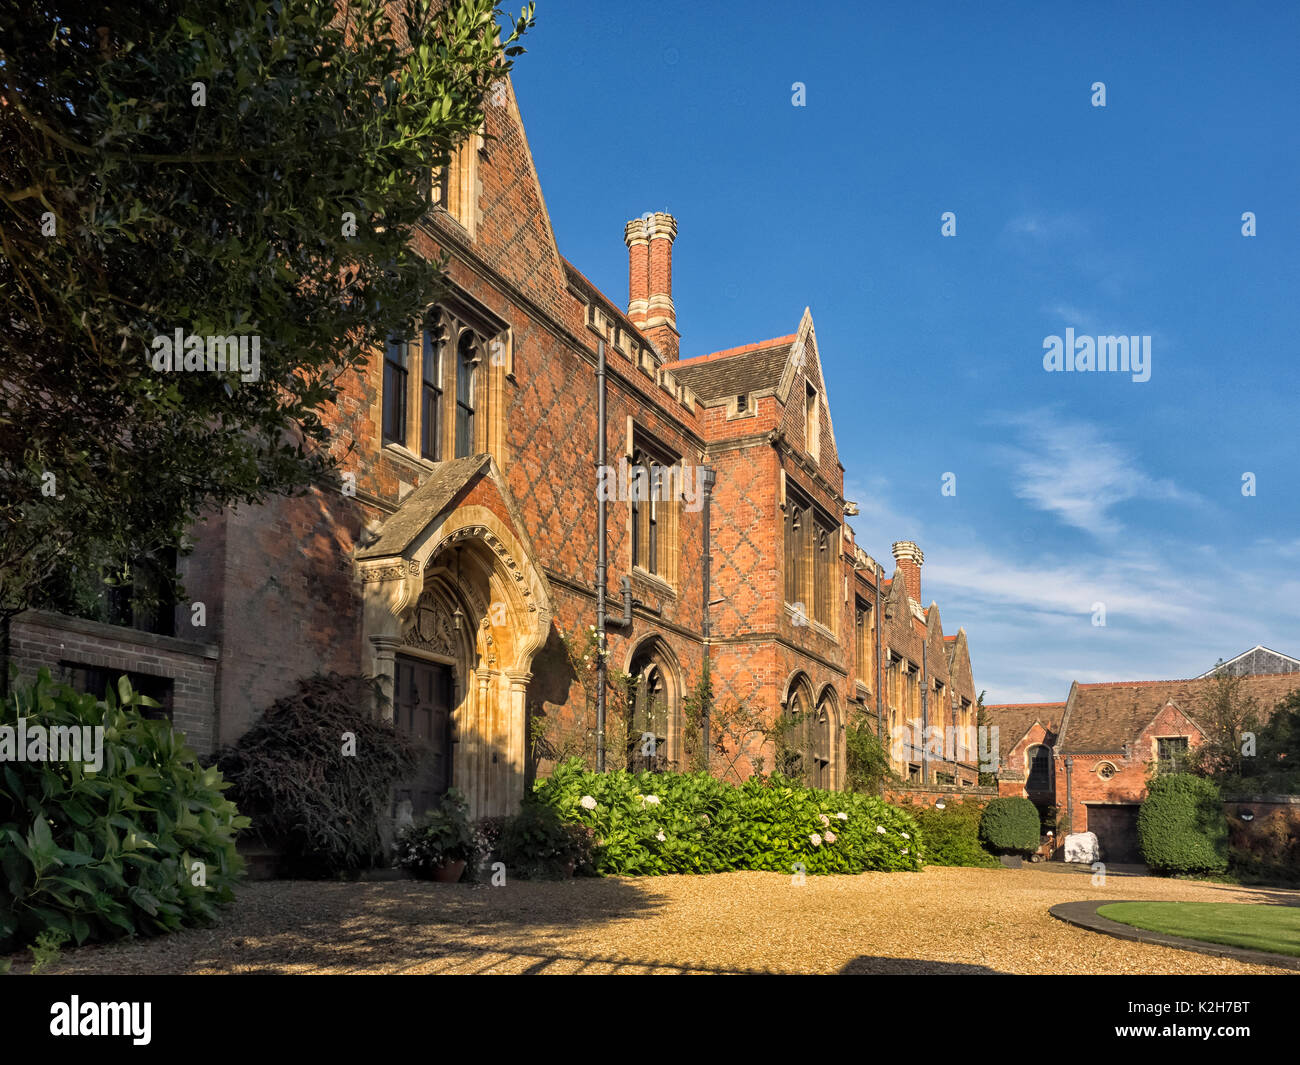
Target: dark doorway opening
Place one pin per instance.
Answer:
(422, 703)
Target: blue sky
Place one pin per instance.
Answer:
(1072, 488)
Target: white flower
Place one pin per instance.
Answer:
(653, 800)
(660, 835)
(904, 851)
(816, 839)
(823, 819)
(830, 837)
(905, 835)
(705, 819)
(587, 802)
(880, 829)
(842, 817)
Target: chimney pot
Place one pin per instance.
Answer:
(650, 280)
(909, 559)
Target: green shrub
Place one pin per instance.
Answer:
(438, 837)
(1010, 826)
(537, 845)
(651, 823)
(142, 846)
(952, 835)
(866, 760)
(325, 810)
(1182, 826)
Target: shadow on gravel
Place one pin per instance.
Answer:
(866, 964)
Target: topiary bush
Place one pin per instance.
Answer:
(652, 823)
(143, 845)
(323, 807)
(1010, 826)
(1182, 826)
(952, 835)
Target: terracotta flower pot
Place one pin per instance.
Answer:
(449, 872)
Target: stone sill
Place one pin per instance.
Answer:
(99, 630)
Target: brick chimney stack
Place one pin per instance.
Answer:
(638, 271)
(649, 242)
(909, 559)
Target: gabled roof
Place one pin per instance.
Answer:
(411, 518)
(752, 368)
(1259, 659)
(1104, 717)
(1014, 720)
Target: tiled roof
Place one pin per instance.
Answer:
(1013, 720)
(423, 505)
(730, 373)
(1104, 717)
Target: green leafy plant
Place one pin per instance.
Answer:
(1010, 826)
(654, 823)
(1182, 827)
(952, 835)
(321, 802)
(536, 844)
(145, 845)
(47, 948)
(437, 838)
(866, 760)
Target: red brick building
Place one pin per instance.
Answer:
(459, 552)
(1092, 755)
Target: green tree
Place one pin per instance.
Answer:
(1225, 713)
(200, 165)
(986, 780)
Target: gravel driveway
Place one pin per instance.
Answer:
(936, 921)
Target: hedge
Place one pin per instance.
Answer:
(653, 823)
(1182, 826)
(952, 834)
(1011, 826)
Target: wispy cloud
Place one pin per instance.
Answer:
(1043, 225)
(1028, 609)
(1070, 469)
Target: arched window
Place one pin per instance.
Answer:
(806, 750)
(431, 390)
(1040, 768)
(466, 363)
(395, 371)
(647, 735)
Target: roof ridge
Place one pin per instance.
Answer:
(741, 350)
(1016, 706)
(1177, 680)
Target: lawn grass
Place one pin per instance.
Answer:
(1233, 924)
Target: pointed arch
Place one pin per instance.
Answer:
(654, 706)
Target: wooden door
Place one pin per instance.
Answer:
(422, 710)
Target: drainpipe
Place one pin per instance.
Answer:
(925, 714)
(707, 477)
(1069, 794)
(600, 560)
(880, 706)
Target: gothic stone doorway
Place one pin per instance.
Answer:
(422, 705)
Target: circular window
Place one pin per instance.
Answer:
(1105, 770)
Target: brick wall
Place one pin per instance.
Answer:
(38, 639)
